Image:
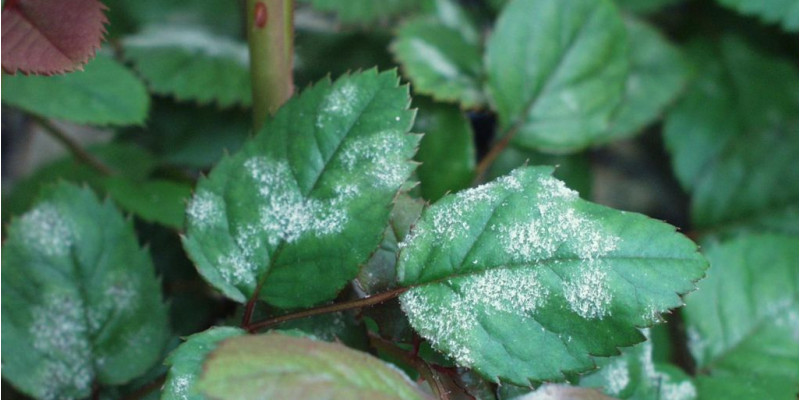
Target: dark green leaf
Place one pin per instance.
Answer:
(734, 136)
(303, 204)
(557, 70)
(192, 64)
(159, 201)
(282, 367)
(446, 152)
(81, 303)
(220, 17)
(783, 12)
(742, 322)
(366, 11)
(645, 6)
(658, 73)
(186, 362)
(442, 56)
(523, 256)
(105, 93)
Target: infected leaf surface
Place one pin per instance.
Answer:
(81, 302)
(192, 64)
(50, 37)
(186, 363)
(305, 202)
(556, 71)
(523, 256)
(277, 366)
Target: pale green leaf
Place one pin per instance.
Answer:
(157, 200)
(446, 152)
(523, 256)
(191, 64)
(645, 6)
(557, 70)
(658, 73)
(104, 93)
(742, 321)
(275, 366)
(305, 202)
(443, 56)
(186, 362)
(635, 376)
(81, 303)
(367, 11)
(734, 136)
(783, 12)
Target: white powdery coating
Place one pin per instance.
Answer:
(191, 40)
(559, 227)
(380, 156)
(678, 391)
(684, 390)
(587, 293)
(616, 377)
(286, 215)
(179, 387)
(236, 269)
(338, 105)
(59, 332)
(47, 231)
(206, 209)
(513, 291)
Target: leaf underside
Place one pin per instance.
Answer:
(277, 366)
(50, 37)
(523, 256)
(81, 302)
(305, 202)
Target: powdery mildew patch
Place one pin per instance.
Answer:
(513, 291)
(59, 332)
(616, 376)
(47, 231)
(338, 105)
(206, 210)
(669, 390)
(379, 156)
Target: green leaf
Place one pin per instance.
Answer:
(742, 387)
(574, 169)
(367, 11)
(105, 93)
(159, 201)
(658, 73)
(191, 64)
(645, 6)
(321, 53)
(557, 71)
(442, 56)
(282, 367)
(523, 256)
(219, 17)
(340, 327)
(81, 303)
(186, 362)
(742, 322)
(128, 160)
(733, 137)
(635, 376)
(446, 152)
(303, 204)
(783, 12)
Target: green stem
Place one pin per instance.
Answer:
(270, 34)
(349, 305)
(74, 148)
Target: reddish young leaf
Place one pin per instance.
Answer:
(49, 37)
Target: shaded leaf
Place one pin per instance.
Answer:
(50, 37)
(366, 11)
(81, 303)
(523, 256)
(321, 53)
(783, 12)
(645, 6)
(303, 204)
(446, 152)
(556, 71)
(283, 367)
(658, 73)
(186, 362)
(742, 322)
(191, 64)
(105, 93)
(159, 201)
(634, 375)
(443, 56)
(733, 136)
(220, 17)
